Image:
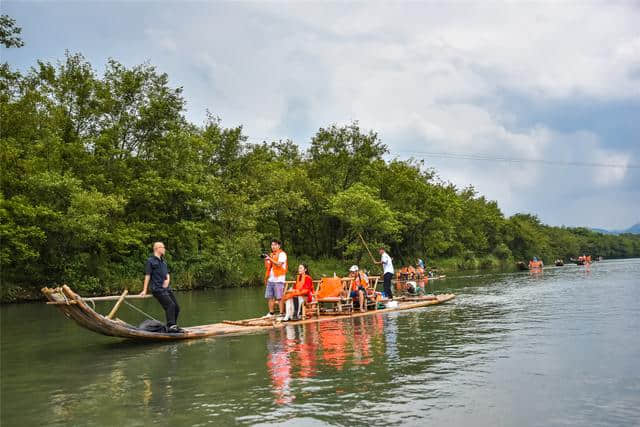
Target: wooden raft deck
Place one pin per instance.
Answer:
(77, 309)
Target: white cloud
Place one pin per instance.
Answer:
(430, 78)
(434, 77)
(543, 48)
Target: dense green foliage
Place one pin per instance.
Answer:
(96, 168)
(10, 32)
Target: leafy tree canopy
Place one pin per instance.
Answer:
(94, 168)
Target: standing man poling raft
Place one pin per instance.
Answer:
(157, 272)
(275, 276)
(387, 268)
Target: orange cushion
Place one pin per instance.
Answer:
(330, 287)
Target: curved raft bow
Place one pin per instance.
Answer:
(76, 308)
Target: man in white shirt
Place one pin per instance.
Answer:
(387, 267)
(276, 265)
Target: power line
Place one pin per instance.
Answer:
(482, 157)
(470, 156)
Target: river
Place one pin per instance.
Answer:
(558, 348)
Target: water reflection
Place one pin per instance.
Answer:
(292, 353)
(157, 392)
(391, 338)
(297, 351)
(536, 273)
(279, 365)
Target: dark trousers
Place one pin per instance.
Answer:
(171, 308)
(296, 306)
(387, 284)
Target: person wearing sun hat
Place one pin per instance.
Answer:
(358, 288)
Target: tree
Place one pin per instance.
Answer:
(94, 168)
(340, 156)
(364, 214)
(9, 32)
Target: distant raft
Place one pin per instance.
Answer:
(77, 309)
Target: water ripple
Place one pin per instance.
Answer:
(512, 349)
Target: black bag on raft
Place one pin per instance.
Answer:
(152, 326)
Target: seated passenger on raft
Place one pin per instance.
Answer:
(414, 289)
(295, 298)
(359, 285)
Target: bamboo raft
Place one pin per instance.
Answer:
(421, 279)
(77, 309)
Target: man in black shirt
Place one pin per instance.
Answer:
(157, 272)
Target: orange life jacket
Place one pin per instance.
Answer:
(359, 280)
(299, 282)
(302, 287)
(278, 270)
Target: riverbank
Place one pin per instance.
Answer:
(249, 276)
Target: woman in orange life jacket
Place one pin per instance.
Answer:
(295, 298)
(275, 276)
(534, 263)
(359, 285)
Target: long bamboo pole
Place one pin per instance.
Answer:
(116, 297)
(367, 247)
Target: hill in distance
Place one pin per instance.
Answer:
(634, 229)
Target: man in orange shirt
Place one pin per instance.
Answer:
(275, 276)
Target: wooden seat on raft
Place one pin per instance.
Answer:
(372, 294)
(334, 291)
(312, 307)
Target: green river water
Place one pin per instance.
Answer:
(513, 349)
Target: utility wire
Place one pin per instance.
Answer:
(482, 157)
(470, 156)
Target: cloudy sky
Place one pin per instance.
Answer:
(555, 84)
